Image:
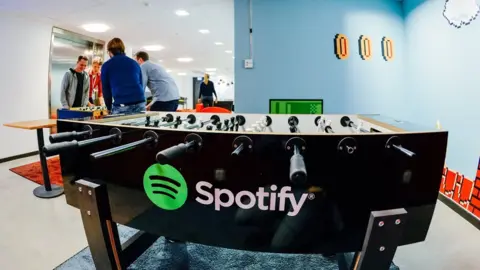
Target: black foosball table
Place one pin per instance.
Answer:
(298, 184)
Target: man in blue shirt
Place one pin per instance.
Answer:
(122, 81)
(164, 90)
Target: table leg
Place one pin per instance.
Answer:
(48, 190)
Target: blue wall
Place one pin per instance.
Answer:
(443, 73)
(294, 55)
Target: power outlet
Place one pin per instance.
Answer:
(248, 63)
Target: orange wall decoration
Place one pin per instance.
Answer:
(463, 191)
(365, 47)
(387, 49)
(342, 49)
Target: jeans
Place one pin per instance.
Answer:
(207, 102)
(165, 106)
(129, 109)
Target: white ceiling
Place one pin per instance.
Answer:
(149, 22)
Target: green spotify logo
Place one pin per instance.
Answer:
(165, 186)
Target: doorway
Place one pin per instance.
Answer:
(65, 48)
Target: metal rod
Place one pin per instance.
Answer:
(238, 150)
(96, 140)
(43, 160)
(120, 149)
(353, 125)
(404, 150)
(295, 150)
(199, 125)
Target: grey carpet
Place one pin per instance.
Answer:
(171, 256)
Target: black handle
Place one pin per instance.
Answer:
(298, 171)
(72, 135)
(171, 153)
(193, 142)
(66, 136)
(56, 148)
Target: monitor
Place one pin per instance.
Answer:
(296, 106)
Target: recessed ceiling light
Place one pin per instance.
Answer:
(228, 51)
(210, 69)
(161, 61)
(153, 48)
(184, 60)
(182, 13)
(204, 31)
(182, 74)
(169, 70)
(95, 27)
(219, 43)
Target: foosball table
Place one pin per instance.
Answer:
(354, 185)
(80, 112)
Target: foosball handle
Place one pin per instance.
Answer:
(193, 142)
(56, 148)
(298, 170)
(69, 136)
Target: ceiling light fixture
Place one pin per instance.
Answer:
(219, 43)
(185, 60)
(228, 51)
(182, 74)
(161, 61)
(182, 13)
(95, 27)
(169, 70)
(211, 73)
(211, 69)
(153, 48)
(204, 31)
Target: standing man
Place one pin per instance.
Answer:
(75, 85)
(122, 81)
(164, 90)
(207, 90)
(95, 95)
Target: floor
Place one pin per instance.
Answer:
(40, 234)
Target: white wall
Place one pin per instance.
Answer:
(185, 87)
(25, 48)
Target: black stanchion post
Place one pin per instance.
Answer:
(48, 190)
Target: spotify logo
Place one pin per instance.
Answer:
(165, 186)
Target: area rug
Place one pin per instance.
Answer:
(33, 171)
(178, 256)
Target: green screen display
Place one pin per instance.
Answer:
(296, 106)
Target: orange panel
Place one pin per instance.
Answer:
(450, 183)
(475, 202)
